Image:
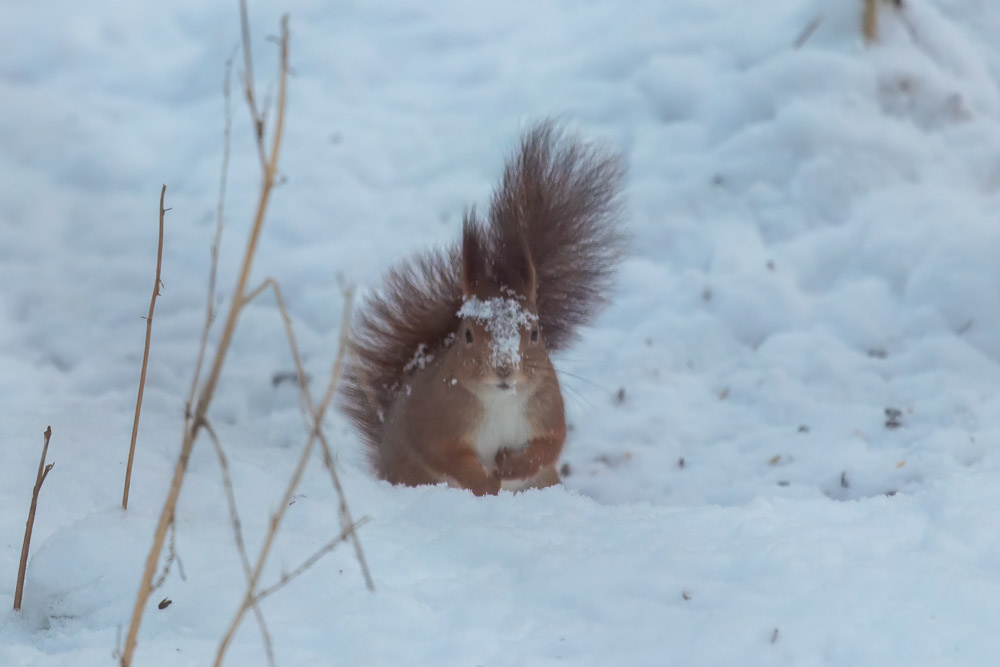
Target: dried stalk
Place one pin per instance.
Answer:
(145, 353)
(197, 419)
(255, 115)
(807, 32)
(869, 18)
(317, 413)
(315, 433)
(172, 558)
(43, 472)
(236, 307)
(234, 517)
(274, 524)
(345, 513)
(217, 241)
(869, 21)
(286, 579)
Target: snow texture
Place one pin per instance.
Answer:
(784, 430)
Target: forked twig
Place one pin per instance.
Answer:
(293, 483)
(234, 517)
(43, 472)
(345, 514)
(197, 406)
(309, 562)
(145, 353)
(318, 412)
(172, 558)
(270, 169)
(197, 419)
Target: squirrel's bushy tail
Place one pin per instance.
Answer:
(560, 198)
(398, 326)
(564, 196)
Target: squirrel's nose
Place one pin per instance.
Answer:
(503, 372)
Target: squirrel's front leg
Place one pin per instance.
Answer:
(542, 451)
(461, 464)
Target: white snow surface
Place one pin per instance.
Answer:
(815, 239)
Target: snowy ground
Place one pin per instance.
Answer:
(815, 236)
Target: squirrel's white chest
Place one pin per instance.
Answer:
(504, 424)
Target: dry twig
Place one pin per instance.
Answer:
(869, 21)
(171, 557)
(43, 472)
(217, 241)
(255, 115)
(869, 18)
(170, 560)
(807, 32)
(316, 433)
(197, 419)
(287, 578)
(145, 353)
(234, 517)
(236, 307)
(318, 412)
(197, 407)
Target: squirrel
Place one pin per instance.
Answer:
(448, 377)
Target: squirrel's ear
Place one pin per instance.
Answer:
(515, 270)
(473, 256)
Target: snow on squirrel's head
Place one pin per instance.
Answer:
(499, 319)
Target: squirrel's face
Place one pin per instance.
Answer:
(501, 345)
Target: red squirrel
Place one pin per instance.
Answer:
(449, 377)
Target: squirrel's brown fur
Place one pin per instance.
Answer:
(556, 211)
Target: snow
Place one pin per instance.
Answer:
(785, 421)
(504, 318)
(420, 359)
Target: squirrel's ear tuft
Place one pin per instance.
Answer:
(514, 267)
(474, 256)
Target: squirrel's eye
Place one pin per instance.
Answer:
(468, 335)
(534, 335)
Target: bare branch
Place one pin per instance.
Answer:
(318, 414)
(309, 562)
(870, 18)
(207, 393)
(265, 550)
(255, 117)
(807, 32)
(200, 401)
(171, 557)
(43, 472)
(315, 433)
(145, 353)
(256, 292)
(345, 513)
(217, 241)
(235, 308)
(234, 517)
(328, 460)
(869, 21)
